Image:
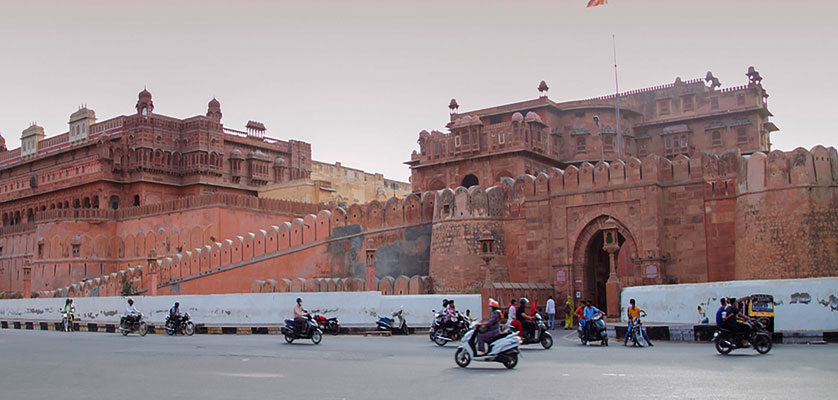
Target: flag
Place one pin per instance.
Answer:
(594, 3)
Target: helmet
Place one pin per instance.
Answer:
(177, 304)
(299, 300)
(493, 303)
(445, 302)
(523, 300)
(130, 301)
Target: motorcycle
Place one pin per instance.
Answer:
(328, 325)
(636, 332)
(443, 335)
(759, 338)
(502, 348)
(596, 332)
(186, 326)
(540, 334)
(67, 319)
(390, 324)
(439, 319)
(308, 331)
(135, 323)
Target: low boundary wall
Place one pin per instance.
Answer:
(247, 309)
(799, 304)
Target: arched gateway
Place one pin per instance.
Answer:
(592, 262)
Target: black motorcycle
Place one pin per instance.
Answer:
(133, 323)
(184, 327)
(328, 325)
(443, 334)
(597, 331)
(539, 335)
(759, 338)
(309, 330)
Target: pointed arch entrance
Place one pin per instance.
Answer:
(592, 261)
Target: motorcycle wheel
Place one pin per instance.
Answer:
(405, 330)
(67, 326)
(431, 334)
(289, 338)
(605, 341)
(637, 338)
(334, 329)
(723, 346)
(189, 329)
(316, 337)
(462, 358)
(143, 328)
(124, 330)
(762, 344)
(546, 340)
(170, 330)
(438, 339)
(511, 361)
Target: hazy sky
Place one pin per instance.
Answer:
(360, 79)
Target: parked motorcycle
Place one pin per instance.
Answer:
(759, 338)
(596, 332)
(327, 325)
(502, 348)
(67, 320)
(134, 323)
(540, 334)
(185, 327)
(394, 324)
(636, 332)
(308, 331)
(443, 335)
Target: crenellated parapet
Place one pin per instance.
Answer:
(779, 169)
(387, 285)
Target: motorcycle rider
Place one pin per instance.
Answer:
(131, 312)
(300, 321)
(70, 310)
(589, 313)
(490, 329)
(527, 324)
(174, 315)
(451, 316)
(720, 313)
(633, 311)
(731, 322)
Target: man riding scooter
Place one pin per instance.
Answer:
(527, 324)
(490, 329)
(300, 321)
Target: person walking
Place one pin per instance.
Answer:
(550, 309)
(568, 313)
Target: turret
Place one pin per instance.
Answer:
(80, 122)
(144, 104)
(29, 140)
(214, 110)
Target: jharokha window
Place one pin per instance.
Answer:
(741, 136)
(716, 137)
(663, 107)
(580, 145)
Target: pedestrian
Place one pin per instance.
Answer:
(550, 308)
(568, 313)
(720, 313)
(511, 316)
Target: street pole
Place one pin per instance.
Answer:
(617, 100)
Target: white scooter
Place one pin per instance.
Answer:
(502, 348)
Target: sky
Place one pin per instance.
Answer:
(360, 79)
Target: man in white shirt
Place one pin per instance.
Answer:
(550, 309)
(131, 312)
(511, 316)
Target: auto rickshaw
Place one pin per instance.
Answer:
(760, 306)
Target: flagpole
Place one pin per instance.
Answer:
(617, 99)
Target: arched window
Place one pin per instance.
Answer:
(113, 203)
(470, 180)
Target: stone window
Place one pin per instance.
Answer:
(663, 107)
(740, 99)
(494, 119)
(716, 138)
(501, 138)
(687, 103)
(643, 146)
(580, 145)
(608, 143)
(714, 103)
(741, 135)
(457, 141)
(136, 200)
(75, 250)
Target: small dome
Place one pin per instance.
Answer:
(279, 162)
(145, 94)
(517, 117)
(532, 117)
(236, 154)
(214, 104)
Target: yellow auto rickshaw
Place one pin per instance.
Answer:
(759, 306)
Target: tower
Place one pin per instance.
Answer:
(214, 110)
(144, 104)
(80, 122)
(29, 140)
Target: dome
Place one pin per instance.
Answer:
(517, 117)
(236, 154)
(532, 117)
(279, 162)
(145, 94)
(214, 104)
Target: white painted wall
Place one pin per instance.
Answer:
(247, 309)
(678, 303)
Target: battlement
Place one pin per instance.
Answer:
(648, 89)
(779, 169)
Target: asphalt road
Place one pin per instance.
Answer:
(41, 364)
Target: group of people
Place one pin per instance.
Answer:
(131, 312)
(728, 316)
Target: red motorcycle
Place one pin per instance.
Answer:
(329, 325)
